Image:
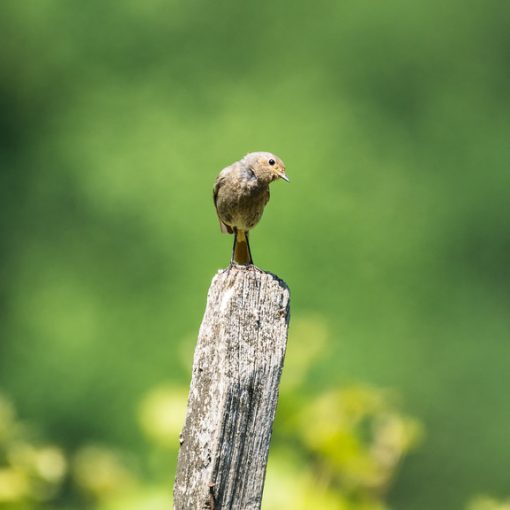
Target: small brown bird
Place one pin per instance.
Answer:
(240, 194)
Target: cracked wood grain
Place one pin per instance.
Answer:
(234, 391)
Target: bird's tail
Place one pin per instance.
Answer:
(242, 254)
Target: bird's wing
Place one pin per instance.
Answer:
(217, 185)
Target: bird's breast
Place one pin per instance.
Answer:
(241, 206)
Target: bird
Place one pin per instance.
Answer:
(240, 193)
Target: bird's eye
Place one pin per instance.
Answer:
(272, 162)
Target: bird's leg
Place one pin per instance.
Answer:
(249, 250)
(251, 264)
(233, 248)
(232, 263)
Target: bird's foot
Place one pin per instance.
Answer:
(247, 267)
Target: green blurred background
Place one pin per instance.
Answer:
(393, 119)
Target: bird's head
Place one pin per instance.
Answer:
(266, 166)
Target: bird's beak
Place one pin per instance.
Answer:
(283, 175)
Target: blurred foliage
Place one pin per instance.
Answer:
(335, 450)
(31, 473)
(392, 118)
(485, 503)
(339, 449)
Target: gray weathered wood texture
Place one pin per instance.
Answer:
(234, 390)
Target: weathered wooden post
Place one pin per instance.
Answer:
(234, 390)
